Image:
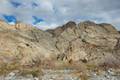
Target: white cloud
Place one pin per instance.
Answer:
(46, 5)
(56, 12)
(44, 25)
(5, 7)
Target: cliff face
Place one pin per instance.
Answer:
(86, 42)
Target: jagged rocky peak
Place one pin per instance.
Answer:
(110, 28)
(99, 28)
(70, 24)
(88, 23)
(17, 26)
(22, 26)
(60, 29)
(87, 27)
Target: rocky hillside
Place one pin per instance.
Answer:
(85, 43)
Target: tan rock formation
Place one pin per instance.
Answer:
(25, 44)
(86, 42)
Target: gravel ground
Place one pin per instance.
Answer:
(62, 75)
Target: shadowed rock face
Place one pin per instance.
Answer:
(119, 31)
(86, 42)
(117, 44)
(108, 28)
(59, 30)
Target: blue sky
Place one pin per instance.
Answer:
(51, 13)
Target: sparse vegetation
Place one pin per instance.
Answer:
(6, 68)
(34, 71)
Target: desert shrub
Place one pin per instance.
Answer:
(110, 62)
(32, 71)
(48, 63)
(6, 68)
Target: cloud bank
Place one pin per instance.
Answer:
(51, 13)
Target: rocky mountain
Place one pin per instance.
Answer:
(86, 43)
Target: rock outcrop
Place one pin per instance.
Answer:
(86, 42)
(25, 44)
